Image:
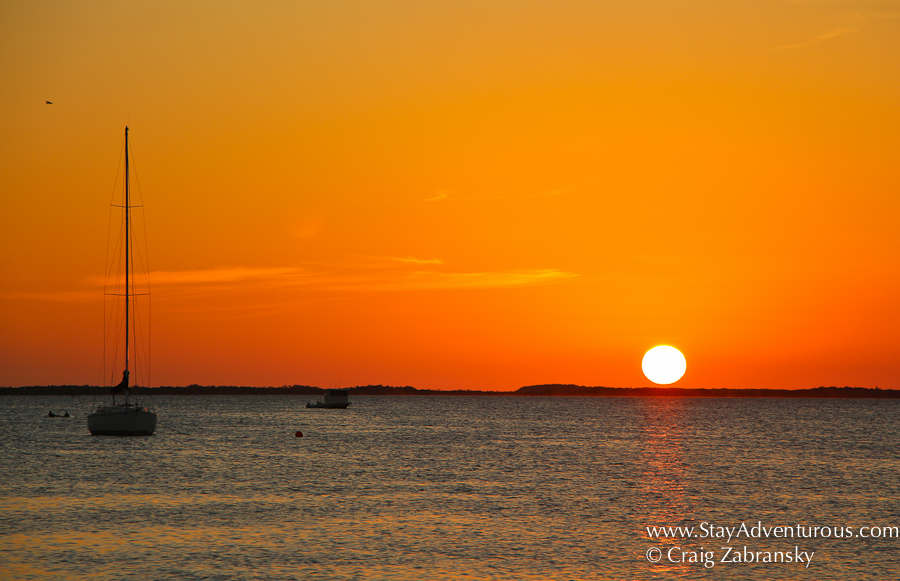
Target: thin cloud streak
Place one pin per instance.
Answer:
(413, 260)
(441, 195)
(221, 275)
(431, 280)
(185, 279)
(75, 296)
(175, 285)
(214, 275)
(445, 196)
(354, 279)
(840, 31)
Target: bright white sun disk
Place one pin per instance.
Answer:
(664, 364)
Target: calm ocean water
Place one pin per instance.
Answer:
(452, 488)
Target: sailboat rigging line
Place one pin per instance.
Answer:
(102, 380)
(107, 325)
(127, 266)
(141, 348)
(143, 253)
(113, 262)
(149, 338)
(103, 360)
(112, 199)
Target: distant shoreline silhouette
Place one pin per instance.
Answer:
(548, 390)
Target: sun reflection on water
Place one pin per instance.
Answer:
(663, 498)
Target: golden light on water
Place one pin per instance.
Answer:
(664, 364)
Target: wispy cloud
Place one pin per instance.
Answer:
(839, 31)
(857, 13)
(412, 260)
(462, 280)
(360, 278)
(458, 195)
(222, 275)
(379, 274)
(71, 296)
(434, 280)
(91, 288)
(438, 196)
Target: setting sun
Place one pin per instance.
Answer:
(663, 364)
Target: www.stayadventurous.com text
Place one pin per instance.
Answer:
(728, 553)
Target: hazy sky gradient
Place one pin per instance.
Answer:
(473, 195)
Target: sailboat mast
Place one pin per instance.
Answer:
(127, 256)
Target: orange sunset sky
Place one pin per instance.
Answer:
(459, 194)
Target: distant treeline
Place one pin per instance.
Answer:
(821, 392)
(550, 390)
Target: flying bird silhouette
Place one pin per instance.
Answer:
(49, 102)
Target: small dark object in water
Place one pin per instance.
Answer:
(299, 434)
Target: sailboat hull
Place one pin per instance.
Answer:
(122, 420)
